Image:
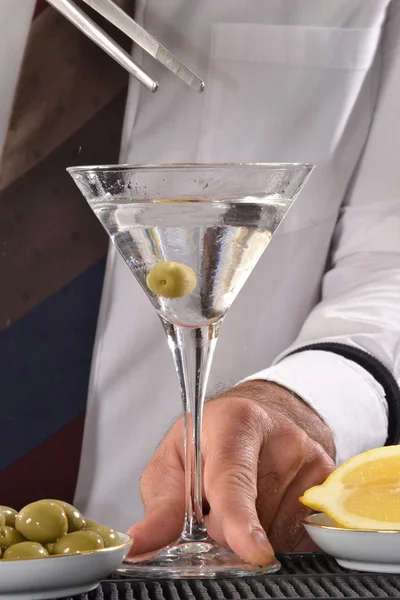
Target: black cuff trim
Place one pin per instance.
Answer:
(378, 371)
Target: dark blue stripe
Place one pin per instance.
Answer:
(45, 362)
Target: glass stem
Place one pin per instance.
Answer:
(193, 350)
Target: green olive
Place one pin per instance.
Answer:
(89, 523)
(42, 522)
(108, 535)
(49, 547)
(2, 519)
(9, 536)
(171, 280)
(78, 542)
(25, 550)
(9, 514)
(75, 520)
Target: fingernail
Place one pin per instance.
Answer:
(262, 542)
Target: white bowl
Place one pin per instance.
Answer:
(60, 576)
(373, 551)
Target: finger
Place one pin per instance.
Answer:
(163, 489)
(287, 528)
(159, 528)
(281, 459)
(230, 480)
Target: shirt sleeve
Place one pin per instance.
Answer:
(360, 305)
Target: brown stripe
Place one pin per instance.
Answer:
(48, 234)
(49, 471)
(40, 6)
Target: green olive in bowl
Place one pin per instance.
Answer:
(25, 550)
(48, 547)
(108, 535)
(43, 522)
(9, 515)
(9, 536)
(78, 542)
(89, 523)
(76, 522)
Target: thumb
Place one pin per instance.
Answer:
(230, 481)
(233, 514)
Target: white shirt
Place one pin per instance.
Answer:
(287, 81)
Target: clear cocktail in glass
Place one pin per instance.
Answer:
(191, 235)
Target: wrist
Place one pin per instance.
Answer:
(275, 397)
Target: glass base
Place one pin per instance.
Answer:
(192, 560)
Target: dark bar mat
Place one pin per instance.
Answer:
(302, 576)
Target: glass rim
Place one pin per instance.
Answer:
(189, 166)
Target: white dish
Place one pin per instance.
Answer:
(373, 551)
(60, 576)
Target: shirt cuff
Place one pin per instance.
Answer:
(350, 401)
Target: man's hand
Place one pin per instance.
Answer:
(262, 448)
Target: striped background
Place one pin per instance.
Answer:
(68, 110)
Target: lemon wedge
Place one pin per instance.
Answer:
(363, 493)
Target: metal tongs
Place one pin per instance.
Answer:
(115, 15)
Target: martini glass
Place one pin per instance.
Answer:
(191, 234)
